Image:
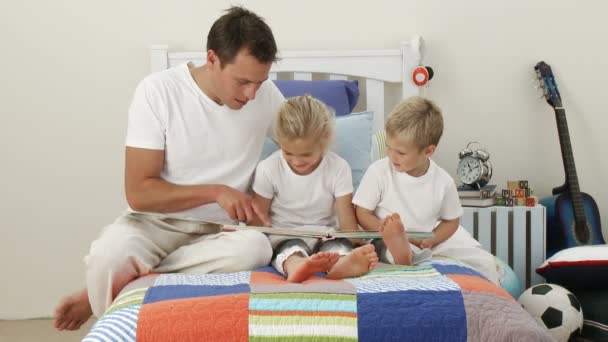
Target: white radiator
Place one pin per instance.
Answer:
(514, 234)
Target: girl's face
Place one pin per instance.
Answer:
(302, 155)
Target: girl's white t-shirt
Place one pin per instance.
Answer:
(299, 201)
(204, 142)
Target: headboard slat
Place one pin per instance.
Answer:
(338, 77)
(303, 76)
(375, 102)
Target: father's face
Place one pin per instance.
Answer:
(238, 82)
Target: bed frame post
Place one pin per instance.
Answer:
(410, 58)
(159, 57)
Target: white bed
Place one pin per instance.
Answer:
(386, 77)
(453, 302)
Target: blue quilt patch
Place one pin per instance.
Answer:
(421, 315)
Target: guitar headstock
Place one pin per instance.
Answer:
(548, 84)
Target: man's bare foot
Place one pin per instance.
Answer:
(358, 262)
(301, 269)
(73, 311)
(395, 238)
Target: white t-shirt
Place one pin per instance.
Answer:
(204, 142)
(299, 201)
(420, 201)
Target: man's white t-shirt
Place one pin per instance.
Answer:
(299, 201)
(204, 142)
(420, 201)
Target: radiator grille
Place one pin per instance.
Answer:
(514, 234)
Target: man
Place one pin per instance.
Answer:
(194, 137)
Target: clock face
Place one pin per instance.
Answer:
(469, 170)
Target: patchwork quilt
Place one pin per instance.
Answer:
(438, 300)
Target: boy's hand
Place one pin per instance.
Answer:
(426, 243)
(416, 242)
(422, 244)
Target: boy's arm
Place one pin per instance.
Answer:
(346, 213)
(262, 206)
(442, 232)
(367, 219)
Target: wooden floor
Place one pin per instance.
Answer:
(36, 330)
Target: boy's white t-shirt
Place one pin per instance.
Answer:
(420, 201)
(300, 201)
(204, 142)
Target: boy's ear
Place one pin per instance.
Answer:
(429, 150)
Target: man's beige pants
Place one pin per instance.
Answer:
(132, 247)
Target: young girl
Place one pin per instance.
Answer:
(305, 186)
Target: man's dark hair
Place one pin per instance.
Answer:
(240, 28)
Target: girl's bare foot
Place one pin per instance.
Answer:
(302, 268)
(73, 311)
(360, 261)
(395, 238)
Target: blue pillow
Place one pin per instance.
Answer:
(341, 96)
(352, 142)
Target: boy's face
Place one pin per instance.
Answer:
(237, 82)
(408, 157)
(302, 155)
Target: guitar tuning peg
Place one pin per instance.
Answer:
(541, 93)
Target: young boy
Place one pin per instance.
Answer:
(408, 190)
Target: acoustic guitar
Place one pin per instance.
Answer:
(573, 217)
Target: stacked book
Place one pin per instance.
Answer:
(474, 197)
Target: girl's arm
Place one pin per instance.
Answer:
(346, 213)
(262, 206)
(367, 219)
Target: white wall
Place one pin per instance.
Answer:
(68, 69)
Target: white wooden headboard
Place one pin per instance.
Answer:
(376, 67)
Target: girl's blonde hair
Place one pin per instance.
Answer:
(304, 117)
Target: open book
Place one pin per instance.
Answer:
(171, 222)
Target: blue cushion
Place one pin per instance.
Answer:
(341, 96)
(508, 279)
(352, 142)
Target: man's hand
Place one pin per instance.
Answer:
(239, 206)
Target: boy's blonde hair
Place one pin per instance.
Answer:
(304, 117)
(416, 120)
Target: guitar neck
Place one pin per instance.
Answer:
(569, 167)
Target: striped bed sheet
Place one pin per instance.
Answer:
(440, 300)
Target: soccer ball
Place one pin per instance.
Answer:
(555, 308)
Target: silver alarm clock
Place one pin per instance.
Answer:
(474, 167)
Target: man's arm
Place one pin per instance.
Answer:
(367, 219)
(146, 191)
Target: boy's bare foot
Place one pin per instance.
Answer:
(73, 311)
(395, 238)
(303, 268)
(360, 261)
